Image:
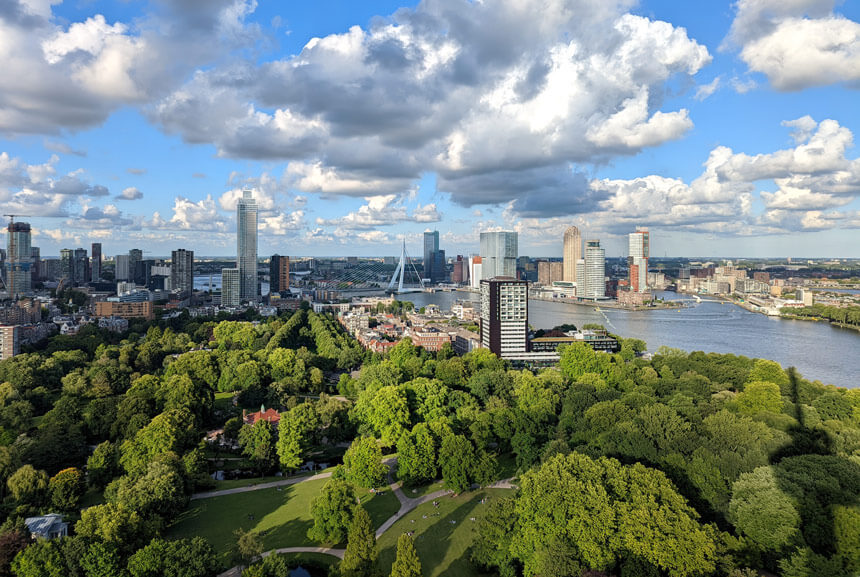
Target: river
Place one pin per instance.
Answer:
(818, 350)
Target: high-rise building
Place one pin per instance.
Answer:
(121, 272)
(18, 260)
(67, 264)
(279, 273)
(499, 254)
(637, 262)
(572, 252)
(81, 266)
(475, 271)
(460, 271)
(504, 315)
(96, 262)
(230, 287)
(135, 255)
(36, 273)
(9, 341)
(246, 249)
(595, 270)
(431, 245)
(550, 272)
(182, 270)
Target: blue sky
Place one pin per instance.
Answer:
(726, 127)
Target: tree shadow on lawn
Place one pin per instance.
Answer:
(435, 537)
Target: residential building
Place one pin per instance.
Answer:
(572, 253)
(550, 272)
(429, 338)
(279, 274)
(125, 310)
(182, 270)
(50, 526)
(10, 336)
(121, 272)
(18, 260)
(269, 415)
(504, 315)
(637, 261)
(499, 251)
(246, 249)
(96, 262)
(230, 287)
(595, 271)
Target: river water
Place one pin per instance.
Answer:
(818, 350)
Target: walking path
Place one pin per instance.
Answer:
(407, 504)
(237, 571)
(259, 486)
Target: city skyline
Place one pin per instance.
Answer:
(708, 141)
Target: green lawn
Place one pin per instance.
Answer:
(441, 545)
(421, 490)
(281, 515)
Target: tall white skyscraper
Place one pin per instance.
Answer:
(499, 253)
(246, 251)
(595, 270)
(637, 262)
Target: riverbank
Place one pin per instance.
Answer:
(611, 304)
(821, 320)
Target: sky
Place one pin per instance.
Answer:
(727, 128)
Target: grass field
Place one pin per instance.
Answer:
(281, 515)
(441, 544)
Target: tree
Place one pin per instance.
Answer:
(102, 560)
(359, 560)
(759, 396)
(28, 485)
(332, 511)
(385, 412)
(457, 460)
(41, 559)
(67, 487)
(407, 563)
(103, 465)
(492, 546)
(115, 525)
(596, 512)
(416, 456)
(363, 463)
(181, 558)
(258, 444)
(11, 542)
(249, 544)
(159, 492)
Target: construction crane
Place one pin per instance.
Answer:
(10, 284)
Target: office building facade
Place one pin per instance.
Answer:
(246, 246)
(279, 274)
(96, 262)
(9, 341)
(572, 252)
(18, 260)
(135, 255)
(182, 270)
(504, 315)
(639, 250)
(499, 253)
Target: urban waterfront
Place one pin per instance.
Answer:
(818, 350)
